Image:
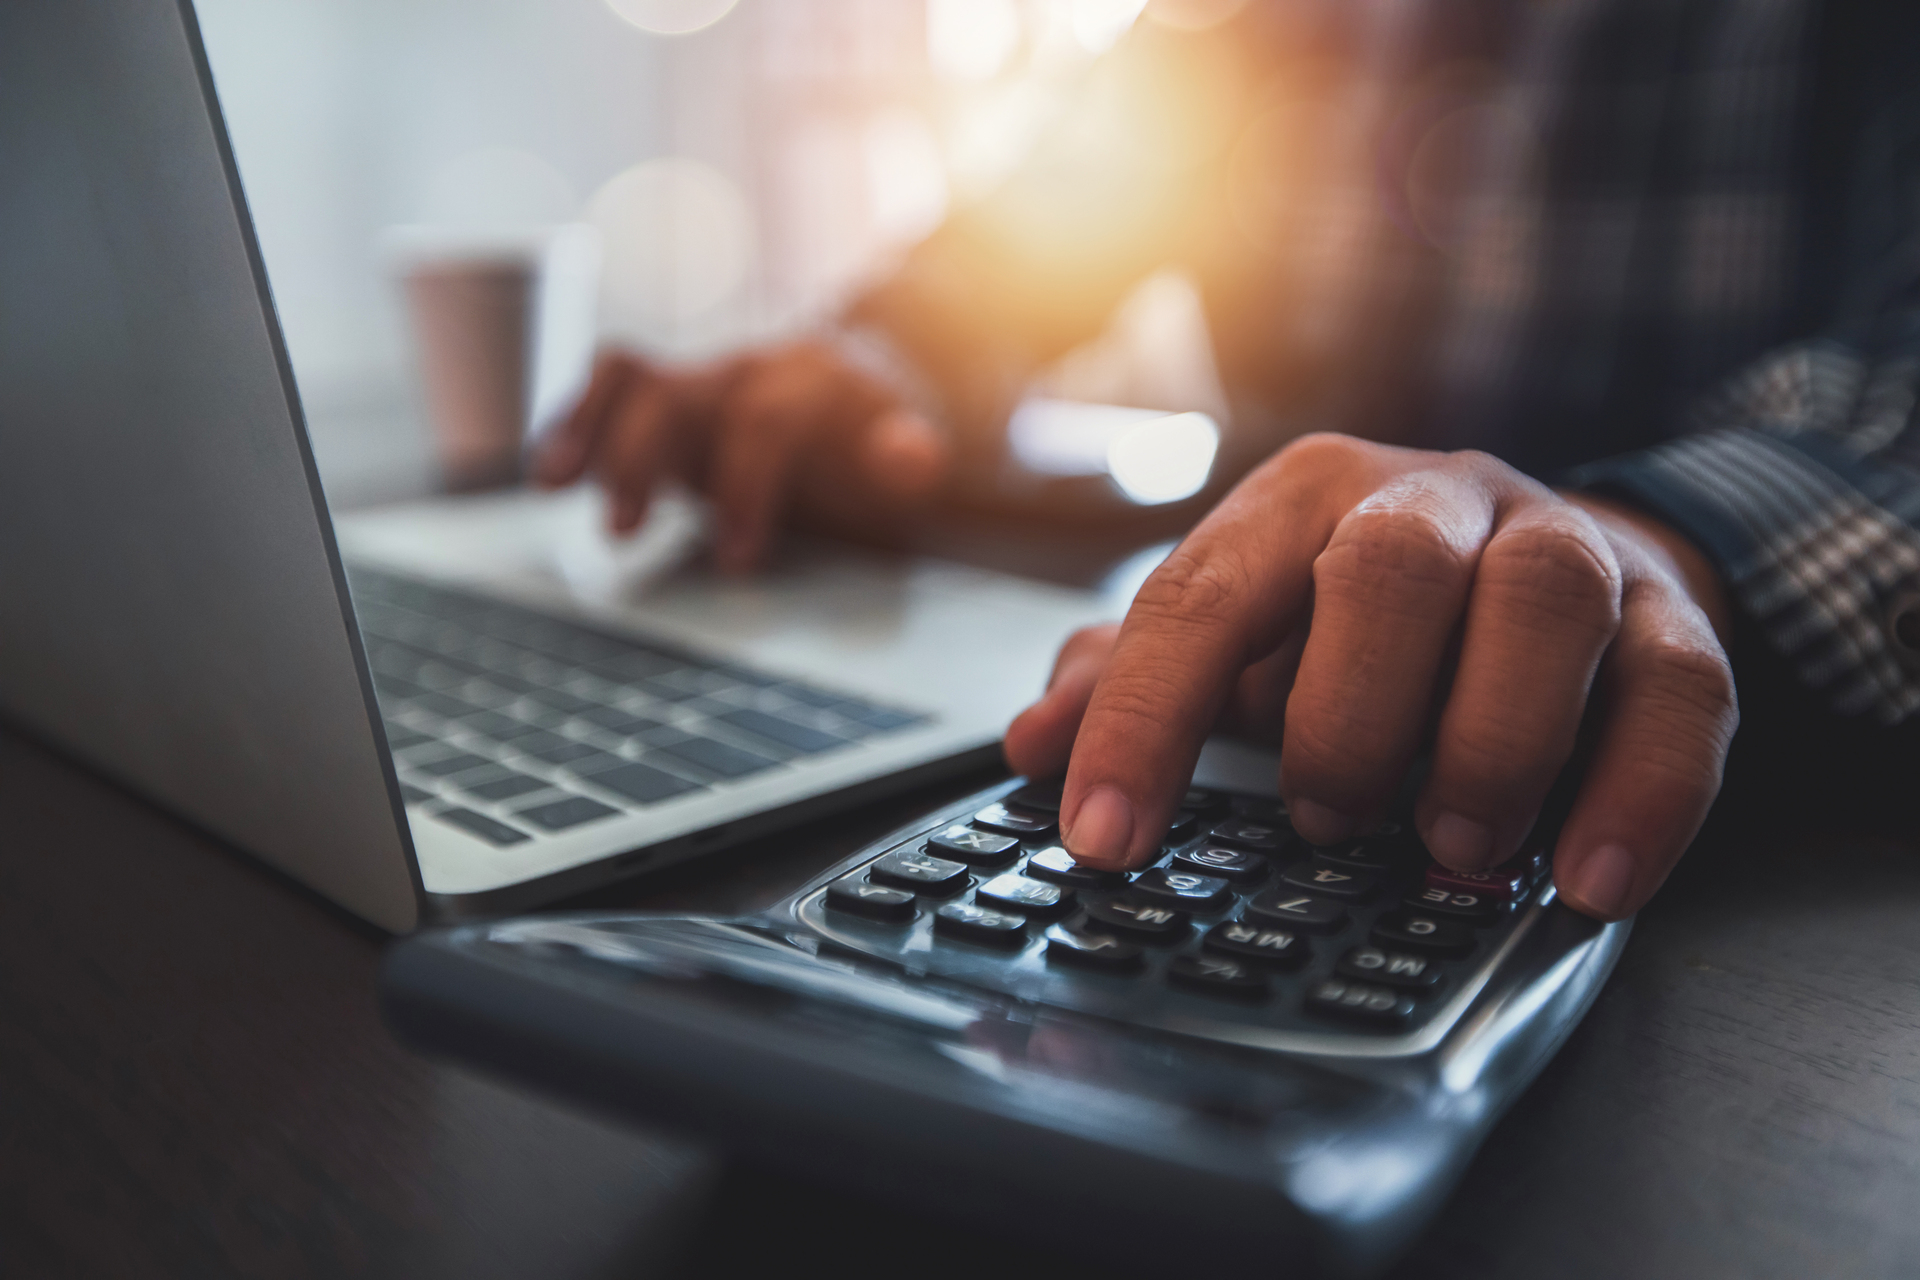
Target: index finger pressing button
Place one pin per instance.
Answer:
(1059, 866)
(981, 848)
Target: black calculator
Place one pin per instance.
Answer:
(1280, 1054)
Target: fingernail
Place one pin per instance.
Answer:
(1321, 824)
(1603, 882)
(1102, 828)
(1461, 843)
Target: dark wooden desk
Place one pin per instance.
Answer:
(194, 1082)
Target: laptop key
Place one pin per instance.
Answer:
(399, 738)
(561, 815)
(618, 720)
(513, 784)
(640, 783)
(414, 795)
(717, 757)
(568, 751)
(481, 825)
(798, 737)
(458, 762)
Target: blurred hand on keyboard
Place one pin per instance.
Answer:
(762, 434)
(1366, 602)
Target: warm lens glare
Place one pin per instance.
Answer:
(1166, 459)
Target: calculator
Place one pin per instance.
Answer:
(1275, 1054)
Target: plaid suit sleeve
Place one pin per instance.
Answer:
(1803, 485)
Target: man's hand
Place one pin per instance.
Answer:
(1373, 601)
(760, 434)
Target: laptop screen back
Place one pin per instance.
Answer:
(171, 604)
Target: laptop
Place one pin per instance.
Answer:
(419, 712)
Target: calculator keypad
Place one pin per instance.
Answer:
(1240, 920)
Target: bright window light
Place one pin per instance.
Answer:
(1164, 460)
(972, 39)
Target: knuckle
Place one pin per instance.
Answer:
(1391, 549)
(1686, 684)
(1331, 755)
(1194, 588)
(1557, 569)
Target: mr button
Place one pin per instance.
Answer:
(1275, 946)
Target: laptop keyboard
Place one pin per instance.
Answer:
(511, 724)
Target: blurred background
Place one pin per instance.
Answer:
(746, 164)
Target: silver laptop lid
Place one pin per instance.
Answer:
(171, 603)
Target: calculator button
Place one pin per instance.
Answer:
(1015, 822)
(1201, 800)
(1181, 829)
(1044, 796)
(981, 848)
(1468, 908)
(1373, 856)
(1235, 866)
(854, 895)
(1403, 969)
(1057, 865)
(1296, 910)
(921, 872)
(1146, 921)
(1419, 931)
(971, 923)
(1497, 885)
(1091, 949)
(1030, 897)
(1335, 882)
(1258, 942)
(1218, 975)
(1262, 809)
(1183, 889)
(1261, 837)
(1360, 1001)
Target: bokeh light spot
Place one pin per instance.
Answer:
(672, 17)
(678, 239)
